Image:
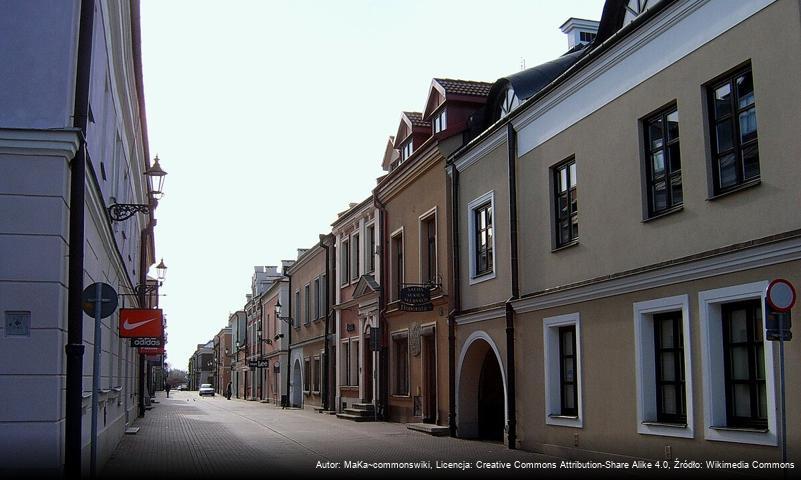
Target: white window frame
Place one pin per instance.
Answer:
(471, 236)
(644, 362)
(355, 260)
(423, 243)
(712, 358)
(553, 403)
(440, 120)
(344, 249)
(355, 362)
(369, 256)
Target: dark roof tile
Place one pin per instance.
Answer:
(464, 87)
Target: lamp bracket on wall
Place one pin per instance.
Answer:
(123, 211)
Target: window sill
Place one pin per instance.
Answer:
(739, 188)
(401, 397)
(571, 421)
(482, 278)
(564, 417)
(664, 213)
(664, 424)
(565, 246)
(739, 429)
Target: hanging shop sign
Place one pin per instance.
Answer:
(262, 363)
(146, 342)
(141, 322)
(151, 350)
(416, 298)
(252, 364)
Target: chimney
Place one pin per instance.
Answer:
(579, 31)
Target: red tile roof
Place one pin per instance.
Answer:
(464, 87)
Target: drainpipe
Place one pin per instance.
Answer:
(383, 360)
(289, 341)
(511, 141)
(455, 300)
(326, 388)
(74, 348)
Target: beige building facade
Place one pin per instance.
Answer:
(412, 198)
(632, 322)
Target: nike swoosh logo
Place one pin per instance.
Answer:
(131, 326)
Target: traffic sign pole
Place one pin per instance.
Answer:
(781, 381)
(96, 377)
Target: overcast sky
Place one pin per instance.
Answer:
(270, 116)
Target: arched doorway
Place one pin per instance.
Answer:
(297, 385)
(481, 390)
(490, 400)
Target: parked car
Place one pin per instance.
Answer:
(206, 389)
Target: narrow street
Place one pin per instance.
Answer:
(191, 436)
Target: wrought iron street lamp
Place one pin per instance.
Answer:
(123, 211)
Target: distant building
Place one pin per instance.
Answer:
(222, 360)
(202, 366)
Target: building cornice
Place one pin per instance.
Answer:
(488, 144)
(420, 166)
(52, 143)
(736, 258)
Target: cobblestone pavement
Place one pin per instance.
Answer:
(190, 436)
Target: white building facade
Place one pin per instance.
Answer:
(40, 146)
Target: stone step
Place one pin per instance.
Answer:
(359, 412)
(429, 428)
(363, 406)
(355, 418)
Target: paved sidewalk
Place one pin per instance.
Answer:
(187, 435)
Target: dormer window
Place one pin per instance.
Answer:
(509, 102)
(440, 121)
(406, 150)
(587, 37)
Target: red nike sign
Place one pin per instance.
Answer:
(141, 322)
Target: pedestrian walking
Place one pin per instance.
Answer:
(228, 391)
(167, 387)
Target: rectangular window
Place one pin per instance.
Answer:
(401, 350)
(587, 37)
(440, 122)
(345, 364)
(354, 363)
(324, 295)
(307, 304)
(344, 262)
(316, 374)
(562, 351)
(733, 131)
(369, 249)
(317, 298)
(744, 364)
(406, 150)
(355, 257)
(567, 370)
(428, 249)
(397, 264)
(298, 309)
(671, 404)
(306, 375)
(566, 203)
(663, 161)
(483, 239)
